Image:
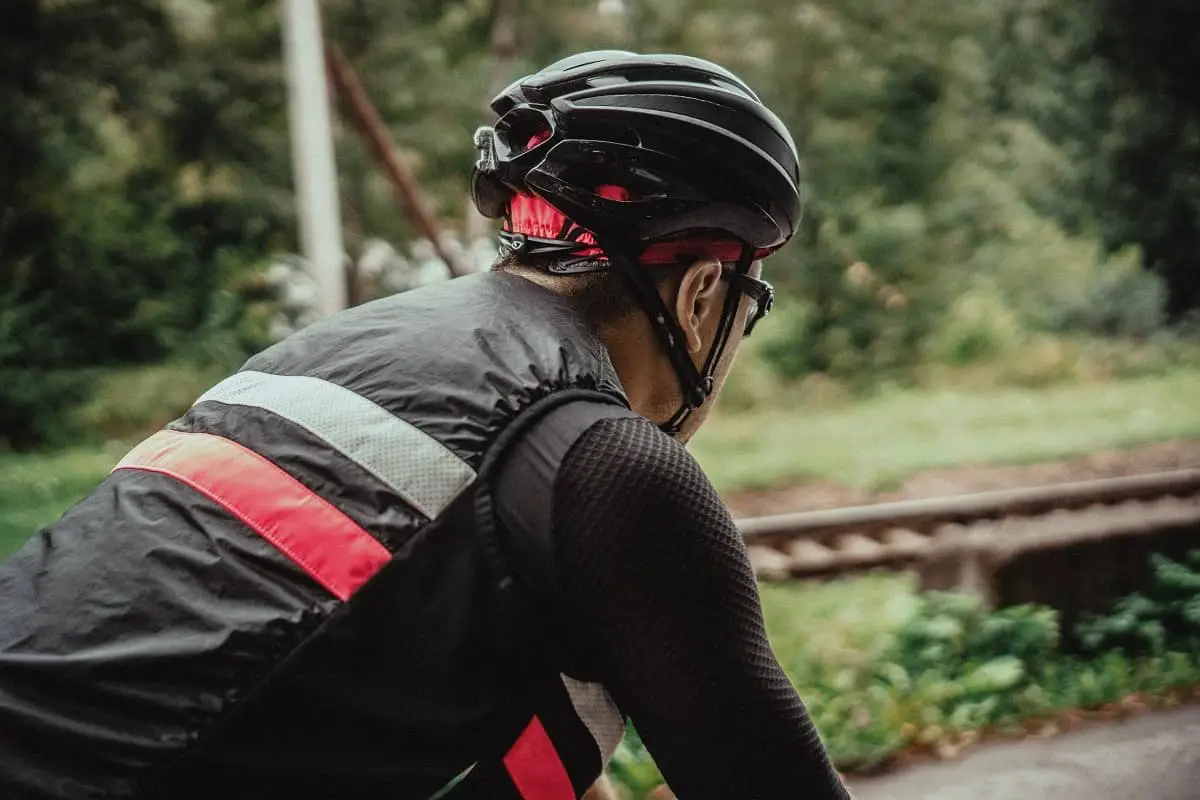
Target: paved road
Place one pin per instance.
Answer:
(1150, 757)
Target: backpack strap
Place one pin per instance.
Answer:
(524, 460)
(549, 749)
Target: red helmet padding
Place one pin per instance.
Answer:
(534, 216)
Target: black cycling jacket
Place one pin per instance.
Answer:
(307, 586)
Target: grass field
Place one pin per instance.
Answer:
(36, 489)
(875, 443)
(869, 444)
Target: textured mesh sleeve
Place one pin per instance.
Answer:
(655, 577)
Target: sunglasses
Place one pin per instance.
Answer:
(760, 293)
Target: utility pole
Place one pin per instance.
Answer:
(503, 51)
(313, 163)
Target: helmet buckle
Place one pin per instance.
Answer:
(485, 142)
(516, 242)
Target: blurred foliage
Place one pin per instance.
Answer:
(935, 672)
(138, 187)
(1164, 618)
(980, 176)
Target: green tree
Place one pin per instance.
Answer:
(135, 187)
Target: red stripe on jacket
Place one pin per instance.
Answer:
(305, 527)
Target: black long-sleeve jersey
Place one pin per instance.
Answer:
(651, 585)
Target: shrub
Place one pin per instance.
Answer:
(978, 326)
(35, 406)
(1163, 619)
(1117, 299)
(852, 324)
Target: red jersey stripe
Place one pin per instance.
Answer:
(305, 527)
(535, 768)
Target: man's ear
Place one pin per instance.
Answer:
(698, 299)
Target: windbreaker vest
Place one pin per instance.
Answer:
(312, 544)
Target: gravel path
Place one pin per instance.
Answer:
(1154, 756)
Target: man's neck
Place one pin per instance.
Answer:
(646, 376)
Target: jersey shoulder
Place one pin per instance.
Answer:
(631, 459)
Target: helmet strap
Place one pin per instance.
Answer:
(695, 385)
(733, 299)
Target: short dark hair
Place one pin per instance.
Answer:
(602, 296)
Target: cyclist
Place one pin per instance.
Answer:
(445, 544)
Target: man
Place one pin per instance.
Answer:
(446, 543)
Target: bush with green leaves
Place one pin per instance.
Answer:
(1163, 619)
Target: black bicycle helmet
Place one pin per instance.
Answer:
(694, 148)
